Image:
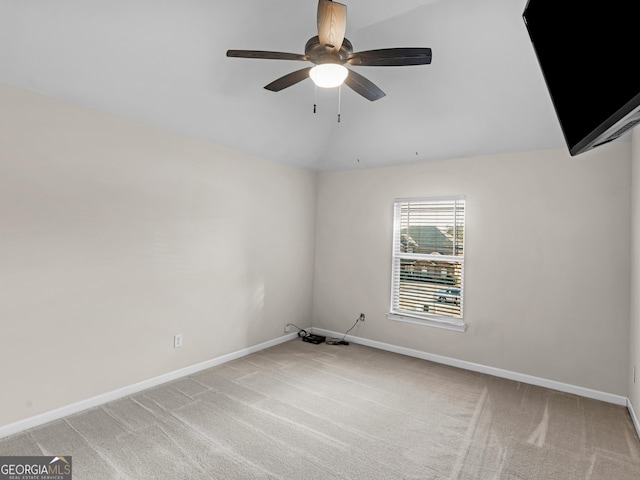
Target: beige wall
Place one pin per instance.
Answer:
(114, 236)
(546, 265)
(634, 387)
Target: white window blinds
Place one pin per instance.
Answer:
(428, 259)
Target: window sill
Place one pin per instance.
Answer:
(457, 326)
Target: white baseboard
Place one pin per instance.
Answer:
(476, 367)
(634, 417)
(98, 400)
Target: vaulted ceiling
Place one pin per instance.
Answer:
(163, 62)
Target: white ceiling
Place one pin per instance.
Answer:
(163, 62)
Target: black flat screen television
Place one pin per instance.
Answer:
(589, 56)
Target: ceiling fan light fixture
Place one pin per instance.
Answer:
(328, 75)
(330, 50)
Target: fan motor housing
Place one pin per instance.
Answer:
(319, 54)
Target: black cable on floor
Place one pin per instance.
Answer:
(342, 341)
(301, 332)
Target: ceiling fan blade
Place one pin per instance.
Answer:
(265, 55)
(364, 87)
(391, 57)
(288, 80)
(332, 24)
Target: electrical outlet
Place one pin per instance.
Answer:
(287, 327)
(177, 340)
(362, 317)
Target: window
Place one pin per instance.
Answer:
(428, 261)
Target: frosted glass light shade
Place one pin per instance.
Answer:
(328, 75)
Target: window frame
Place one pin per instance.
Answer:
(449, 322)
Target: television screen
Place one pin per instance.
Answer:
(588, 54)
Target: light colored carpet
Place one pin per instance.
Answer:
(303, 411)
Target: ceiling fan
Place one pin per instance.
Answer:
(330, 51)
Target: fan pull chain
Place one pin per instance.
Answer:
(339, 97)
(315, 97)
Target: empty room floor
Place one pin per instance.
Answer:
(304, 411)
